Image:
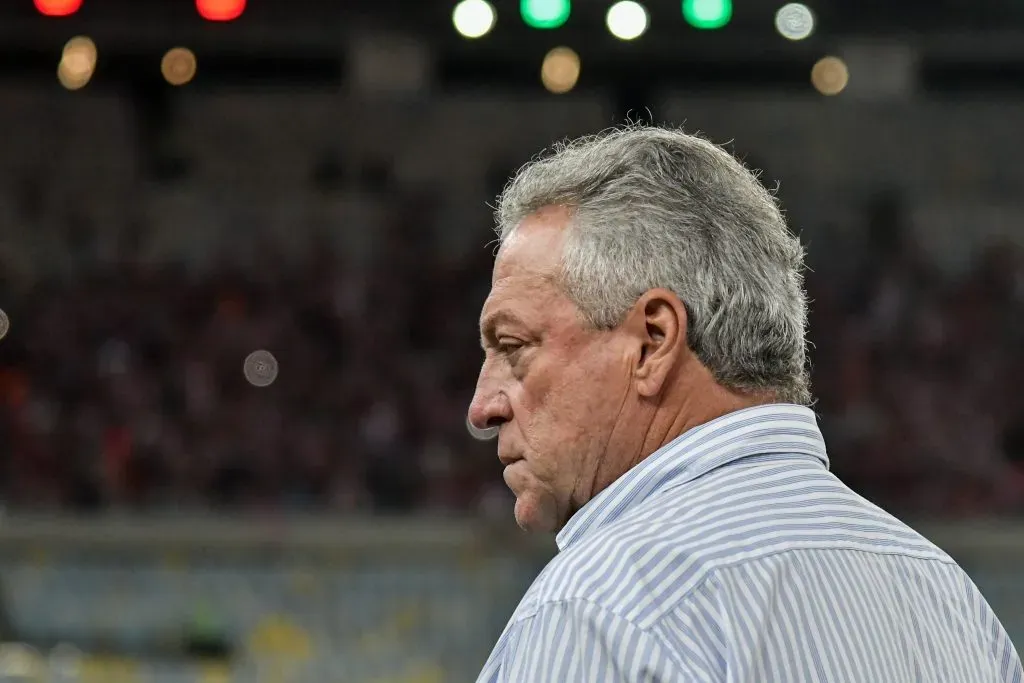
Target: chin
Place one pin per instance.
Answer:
(535, 514)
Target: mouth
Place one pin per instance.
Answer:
(507, 460)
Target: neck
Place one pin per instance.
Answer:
(693, 399)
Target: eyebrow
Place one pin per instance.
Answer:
(491, 322)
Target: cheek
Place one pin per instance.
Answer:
(562, 411)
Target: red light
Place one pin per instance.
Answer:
(220, 10)
(58, 8)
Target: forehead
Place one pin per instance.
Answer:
(535, 246)
(524, 278)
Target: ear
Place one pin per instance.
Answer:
(661, 323)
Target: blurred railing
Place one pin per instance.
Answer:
(260, 533)
(297, 600)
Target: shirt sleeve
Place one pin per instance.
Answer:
(579, 641)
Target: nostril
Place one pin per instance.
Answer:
(495, 422)
(486, 415)
(485, 434)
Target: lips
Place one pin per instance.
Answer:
(507, 459)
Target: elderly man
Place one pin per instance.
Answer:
(645, 370)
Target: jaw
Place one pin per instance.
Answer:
(536, 507)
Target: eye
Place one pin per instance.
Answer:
(509, 346)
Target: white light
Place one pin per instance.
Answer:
(627, 20)
(260, 368)
(473, 18)
(794, 21)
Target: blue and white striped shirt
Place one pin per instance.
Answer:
(733, 554)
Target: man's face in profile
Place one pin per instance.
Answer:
(549, 383)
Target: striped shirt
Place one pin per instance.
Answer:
(733, 554)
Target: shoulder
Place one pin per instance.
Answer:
(646, 564)
(625, 570)
(578, 640)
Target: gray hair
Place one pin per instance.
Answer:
(655, 207)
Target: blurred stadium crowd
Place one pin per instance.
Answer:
(121, 382)
(915, 378)
(123, 387)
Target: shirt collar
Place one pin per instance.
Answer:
(761, 430)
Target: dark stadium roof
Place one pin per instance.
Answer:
(967, 41)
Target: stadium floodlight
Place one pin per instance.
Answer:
(707, 14)
(830, 75)
(627, 20)
(78, 63)
(178, 65)
(560, 70)
(220, 10)
(58, 8)
(794, 21)
(545, 13)
(473, 18)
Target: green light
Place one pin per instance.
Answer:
(706, 14)
(545, 13)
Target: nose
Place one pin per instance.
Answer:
(490, 407)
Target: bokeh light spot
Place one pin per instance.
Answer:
(260, 368)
